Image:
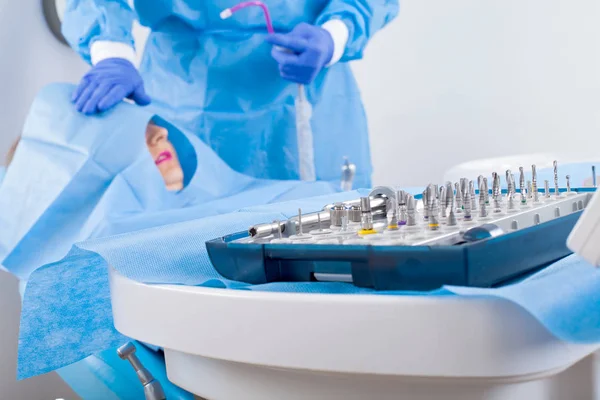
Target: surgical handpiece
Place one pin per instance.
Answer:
(379, 205)
(152, 388)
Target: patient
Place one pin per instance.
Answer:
(164, 156)
(162, 151)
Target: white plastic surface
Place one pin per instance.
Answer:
(585, 237)
(356, 336)
(486, 166)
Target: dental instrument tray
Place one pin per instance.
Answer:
(390, 240)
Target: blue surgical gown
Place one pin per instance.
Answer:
(216, 77)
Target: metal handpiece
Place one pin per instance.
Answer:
(556, 188)
(522, 186)
(348, 173)
(534, 185)
(152, 388)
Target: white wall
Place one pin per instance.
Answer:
(450, 81)
(29, 59)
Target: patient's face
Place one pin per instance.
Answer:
(164, 156)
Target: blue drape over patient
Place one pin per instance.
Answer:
(74, 177)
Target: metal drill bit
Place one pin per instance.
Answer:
(443, 202)
(568, 177)
(425, 199)
(459, 198)
(534, 185)
(594, 176)
(436, 191)
(411, 211)
(522, 186)
(401, 200)
(467, 216)
(511, 201)
(496, 193)
(451, 221)
(479, 181)
(366, 220)
(434, 223)
(464, 191)
(403, 215)
(486, 192)
(529, 190)
(482, 204)
(547, 189)
(344, 227)
(393, 216)
(509, 182)
(279, 232)
(556, 188)
(472, 196)
(449, 194)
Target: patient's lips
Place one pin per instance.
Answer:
(163, 156)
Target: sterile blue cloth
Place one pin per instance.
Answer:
(563, 297)
(75, 177)
(217, 78)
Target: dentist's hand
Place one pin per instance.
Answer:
(310, 48)
(107, 84)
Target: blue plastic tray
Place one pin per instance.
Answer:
(486, 263)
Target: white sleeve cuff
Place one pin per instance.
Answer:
(339, 33)
(103, 49)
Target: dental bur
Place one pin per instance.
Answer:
(534, 186)
(522, 186)
(366, 220)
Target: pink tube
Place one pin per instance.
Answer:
(260, 4)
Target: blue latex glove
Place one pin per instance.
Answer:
(310, 49)
(108, 83)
